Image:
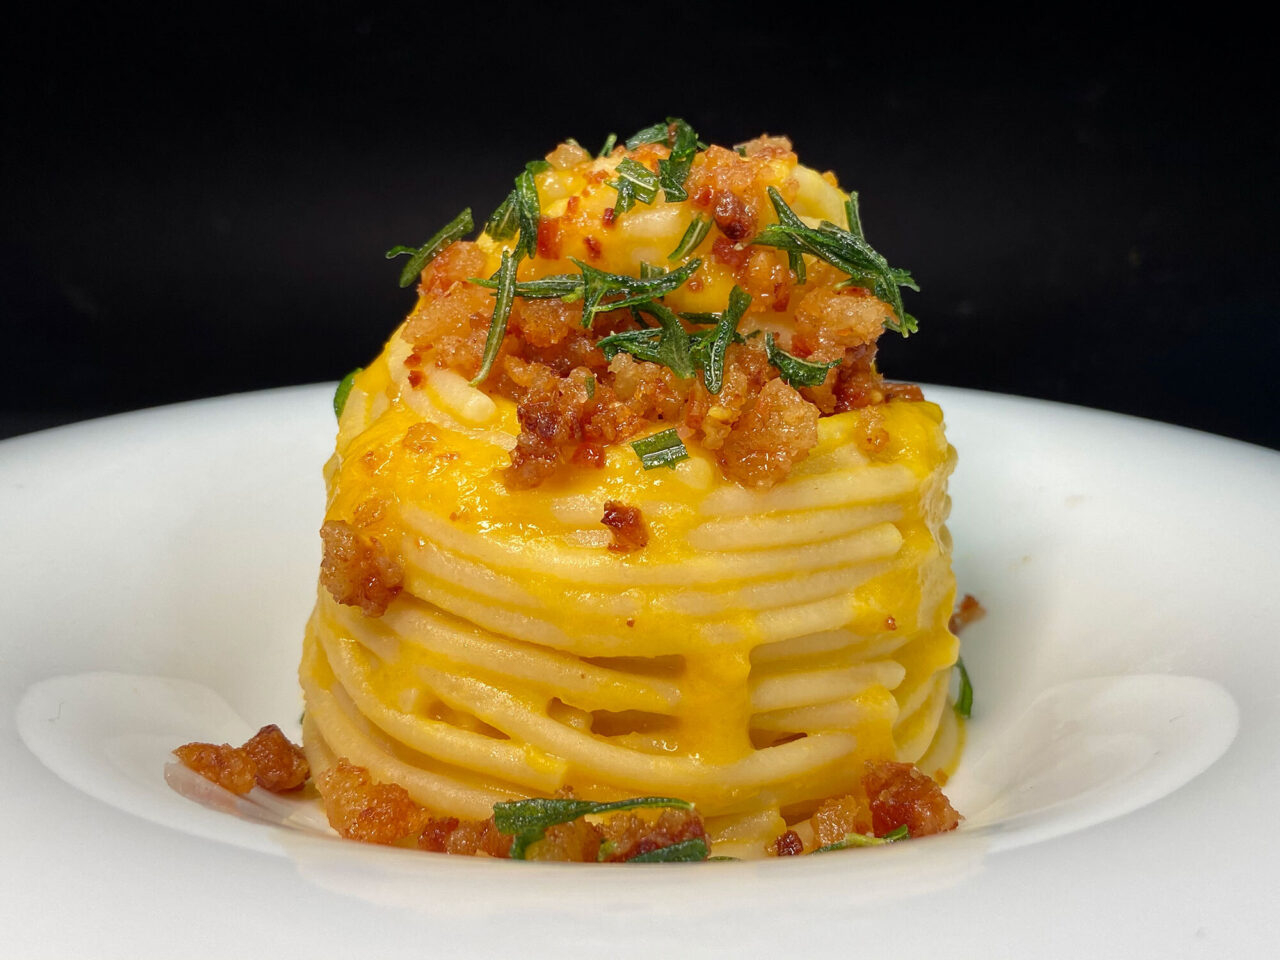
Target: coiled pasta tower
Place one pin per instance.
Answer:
(761, 644)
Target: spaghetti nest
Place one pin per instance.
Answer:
(625, 506)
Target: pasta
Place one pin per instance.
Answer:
(556, 558)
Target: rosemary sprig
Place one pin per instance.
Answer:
(796, 372)
(725, 332)
(528, 213)
(847, 252)
(686, 851)
(594, 285)
(505, 221)
(662, 449)
(528, 820)
(964, 701)
(862, 840)
(853, 215)
(696, 232)
(609, 143)
(674, 170)
(546, 288)
(597, 284)
(506, 287)
(344, 390)
(419, 257)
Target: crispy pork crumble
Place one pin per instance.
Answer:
(267, 759)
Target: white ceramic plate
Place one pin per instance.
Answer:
(1119, 783)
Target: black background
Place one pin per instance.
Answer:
(198, 204)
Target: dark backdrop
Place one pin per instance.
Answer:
(198, 205)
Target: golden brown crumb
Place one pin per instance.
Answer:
(229, 767)
(628, 526)
(788, 845)
(838, 817)
(577, 841)
(832, 321)
(464, 837)
(775, 433)
(360, 809)
(969, 611)
(281, 765)
(900, 795)
(627, 835)
(357, 570)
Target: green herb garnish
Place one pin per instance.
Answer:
(635, 182)
(686, 851)
(656, 133)
(344, 390)
(718, 343)
(862, 840)
(419, 257)
(527, 820)
(797, 372)
(560, 285)
(663, 449)
(847, 252)
(674, 170)
(609, 143)
(852, 215)
(505, 221)
(594, 285)
(667, 344)
(506, 286)
(964, 702)
(528, 213)
(650, 270)
(538, 166)
(597, 284)
(696, 232)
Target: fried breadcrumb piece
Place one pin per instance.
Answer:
(788, 845)
(357, 570)
(360, 809)
(267, 758)
(837, 817)
(281, 765)
(899, 795)
(628, 526)
(774, 434)
(577, 842)
(229, 767)
(627, 835)
(968, 611)
(464, 837)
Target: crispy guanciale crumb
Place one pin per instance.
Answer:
(357, 570)
(969, 611)
(788, 845)
(464, 837)
(628, 526)
(281, 765)
(627, 835)
(837, 817)
(774, 433)
(229, 767)
(360, 809)
(900, 795)
(577, 842)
